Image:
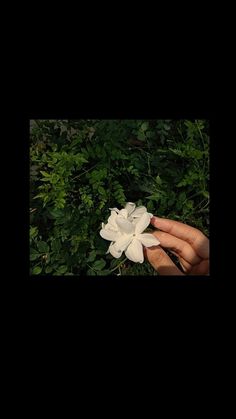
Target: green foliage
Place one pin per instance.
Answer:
(78, 169)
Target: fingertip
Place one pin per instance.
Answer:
(154, 220)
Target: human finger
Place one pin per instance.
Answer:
(191, 235)
(181, 247)
(201, 269)
(186, 266)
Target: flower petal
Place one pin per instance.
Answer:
(112, 218)
(134, 251)
(133, 220)
(116, 254)
(124, 213)
(115, 209)
(148, 239)
(125, 225)
(109, 235)
(123, 241)
(139, 211)
(111, 227)
(130, 207)
(142, 223)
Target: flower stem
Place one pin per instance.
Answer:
(86, 171)
(118, 265)
(91, 268)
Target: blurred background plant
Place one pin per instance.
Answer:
(80, 168)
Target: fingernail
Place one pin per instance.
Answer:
(154, 218)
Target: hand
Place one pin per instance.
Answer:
(190, 245)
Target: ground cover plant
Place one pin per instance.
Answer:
(81, 168)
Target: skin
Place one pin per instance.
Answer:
(189, 244)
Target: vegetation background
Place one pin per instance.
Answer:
(80, 168)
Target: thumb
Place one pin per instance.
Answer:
(160, 261)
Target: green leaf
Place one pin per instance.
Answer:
(37, 270)
(141, 136)
(62, 269)
(114, 262)
(45, 179)
(40, 195)
(150, 134)
(48, 269)
(182, 183)
(90, 272)
(144, 126)
(34, 254)
(43, 247)
(99, 264)
(158, 180)
(177, 152)
(33, 232)
(167, 127)
(205, 194)
(105, 272)
(56, 213)
(45, 173)
(92, 256)
(154, 197)
(171, 201)
(182, 196)
(56, 245)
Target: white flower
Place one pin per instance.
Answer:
(125, 230)
(130, 212)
